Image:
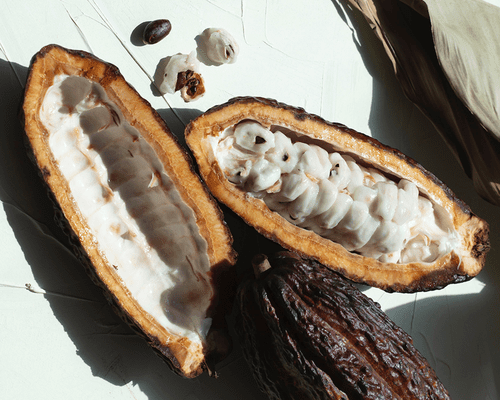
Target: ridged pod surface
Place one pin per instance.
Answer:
(125, 191)
(390, 224)
(308, 333)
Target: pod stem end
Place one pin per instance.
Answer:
(260, 264)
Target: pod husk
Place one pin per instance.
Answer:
(457, 266)
(309, 334)
(186, 358)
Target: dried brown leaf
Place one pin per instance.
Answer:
(406, 30)
(467, 39)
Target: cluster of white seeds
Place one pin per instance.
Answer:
(333, 195)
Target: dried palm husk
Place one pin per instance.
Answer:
(446, 56)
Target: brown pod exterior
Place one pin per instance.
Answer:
(308, 333)
(458, 265)
(185, 357)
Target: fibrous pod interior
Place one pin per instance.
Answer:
(338, 196)
(153, 236)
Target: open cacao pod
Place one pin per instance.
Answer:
(307, 333)
(338, 196)
(141, 219)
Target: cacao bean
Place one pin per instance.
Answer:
(156, 31)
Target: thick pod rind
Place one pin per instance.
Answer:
(186, 357)
(460, 264)
(307, 333)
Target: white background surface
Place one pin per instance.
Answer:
(60, 340)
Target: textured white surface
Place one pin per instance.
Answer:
(61, 340)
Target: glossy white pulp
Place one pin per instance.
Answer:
(335, 196)
(136, 215)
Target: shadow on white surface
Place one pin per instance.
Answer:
(136, 37)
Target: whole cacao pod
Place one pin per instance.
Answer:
(308, 333)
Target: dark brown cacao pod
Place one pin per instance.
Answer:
(308, 333)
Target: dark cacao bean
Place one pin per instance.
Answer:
(156, 31)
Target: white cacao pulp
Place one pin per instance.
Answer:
(139, 221)
(221, 48)
(334, 195)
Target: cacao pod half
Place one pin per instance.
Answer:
(338, 196)
(308, 333)
(141, 219)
